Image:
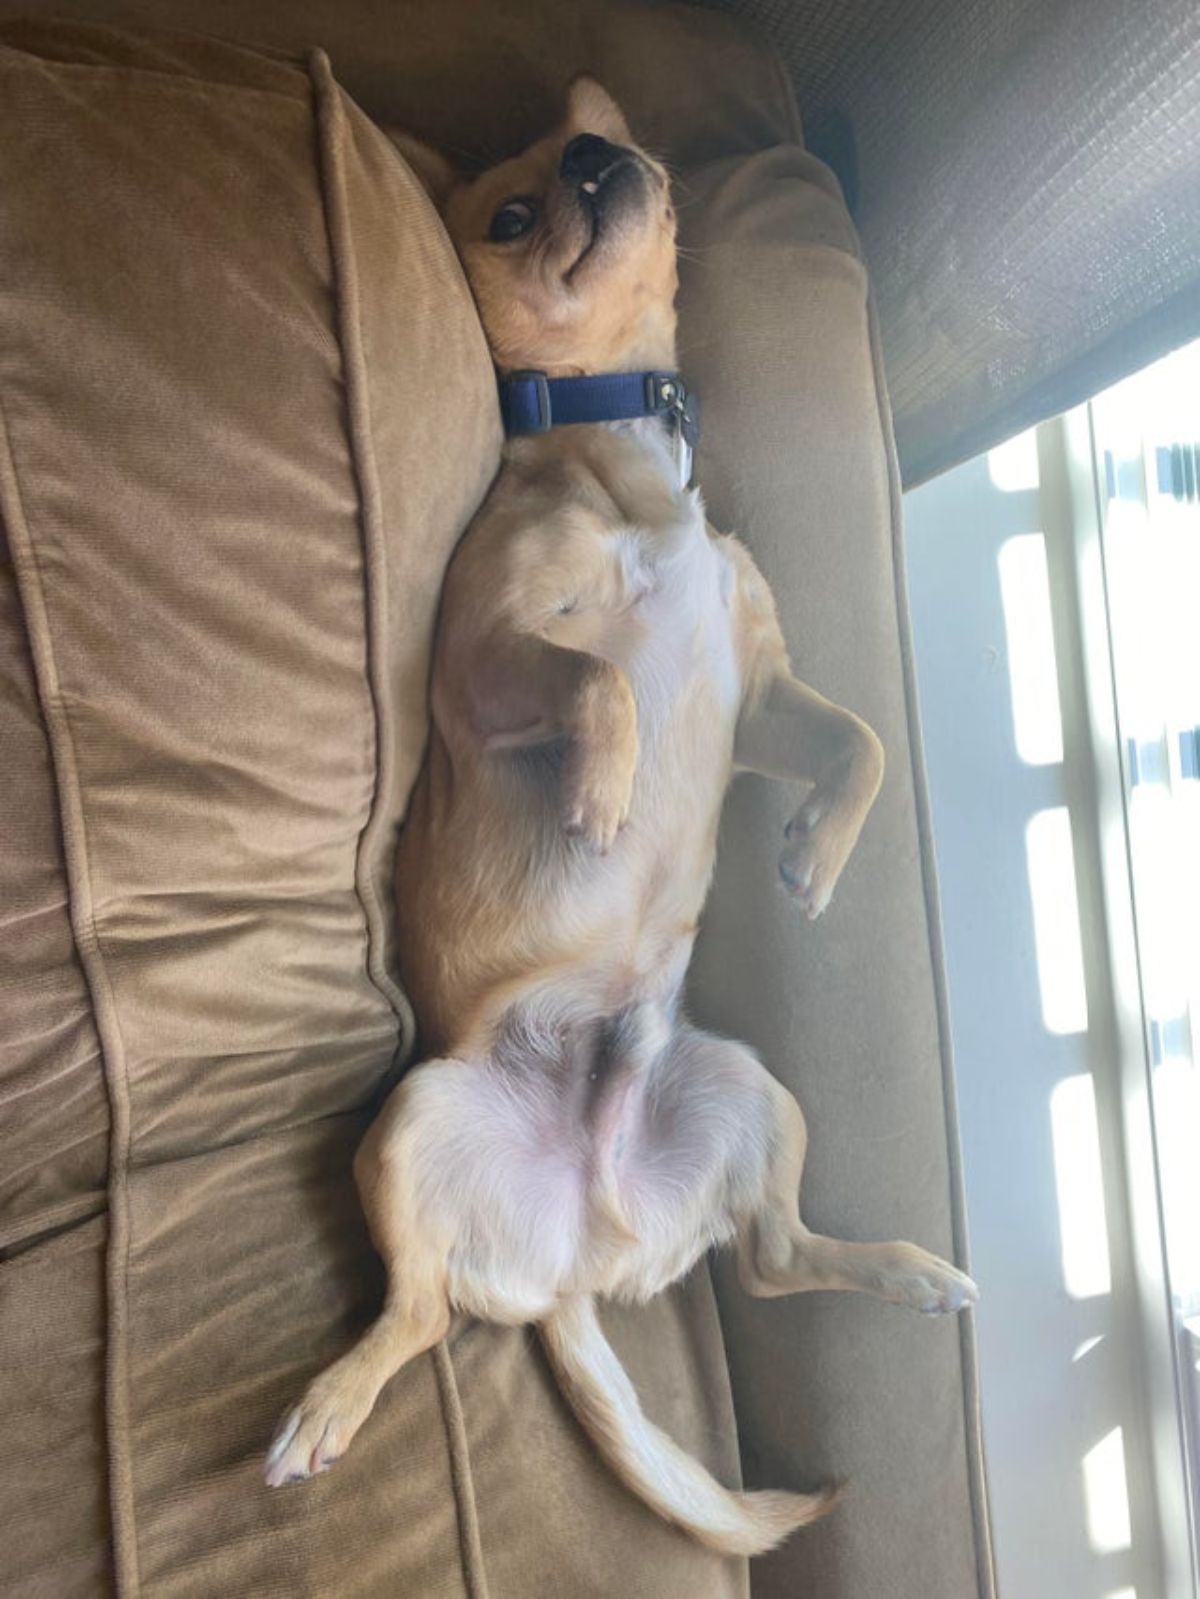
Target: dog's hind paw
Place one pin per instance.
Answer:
(310, 1439)
(926, 1283)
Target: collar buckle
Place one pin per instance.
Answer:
(541, 394)
(665, 391)
(667, 395)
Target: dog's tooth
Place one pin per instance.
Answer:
(591, 188)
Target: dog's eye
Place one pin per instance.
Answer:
(513, 219)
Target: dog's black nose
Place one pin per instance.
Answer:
(588, 157)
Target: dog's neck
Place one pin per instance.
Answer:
(655, 351)
(662, 446)
(647, 346)
(651, 350)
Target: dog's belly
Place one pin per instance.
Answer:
(586, 1153)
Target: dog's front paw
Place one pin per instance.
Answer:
(812, 859)
(596, 796)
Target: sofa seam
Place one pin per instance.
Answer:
(968, 1349)
(470, 1543)
(330, 124)
(31, 591)
(330, 128)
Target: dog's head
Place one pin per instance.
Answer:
(569, 247)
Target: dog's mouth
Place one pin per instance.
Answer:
(603, 197)
(594, 216)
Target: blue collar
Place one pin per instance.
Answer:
(530, 402)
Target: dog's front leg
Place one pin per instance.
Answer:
(524, 691)
(791, 732)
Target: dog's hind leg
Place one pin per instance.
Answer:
(414, 1317)
(777, 1254)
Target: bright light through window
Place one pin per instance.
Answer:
(1177, 1096)
(1161, 863)
(1147, 433)
(1082, 1221)
(1107, 1494)
(1013, 465)
(1051, 866)
(1082, 1132)
(1033, 675)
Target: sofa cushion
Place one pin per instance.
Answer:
(228, 494)
(53, 1166)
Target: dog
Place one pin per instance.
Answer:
(604, 663)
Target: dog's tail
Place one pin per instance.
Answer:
(647, 1461)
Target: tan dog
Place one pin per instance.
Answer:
(604, 664)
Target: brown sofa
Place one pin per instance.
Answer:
(247, 410)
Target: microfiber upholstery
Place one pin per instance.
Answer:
(226, 523)
(246, 412)
(849, 1012)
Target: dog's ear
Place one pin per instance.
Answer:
(591, 109)
(438, 175)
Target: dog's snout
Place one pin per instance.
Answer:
(588, 157)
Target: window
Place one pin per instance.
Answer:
(1056, 612)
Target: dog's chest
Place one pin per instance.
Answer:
(677, 642)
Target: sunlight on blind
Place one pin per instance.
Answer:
(1013, 465)
(1107, 1494)
(1029, 630)
(1079, 1179)
(1051, 865)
